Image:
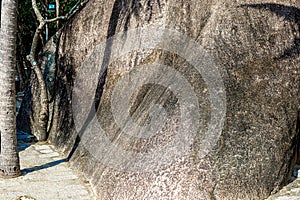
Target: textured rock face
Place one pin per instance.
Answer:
(256, 48)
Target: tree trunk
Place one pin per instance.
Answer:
(9, 158)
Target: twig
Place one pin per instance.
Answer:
(44, 111)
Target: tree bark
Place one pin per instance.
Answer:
(9, 158)
(40, 128)
(57, 13)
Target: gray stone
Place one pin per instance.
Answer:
(49, 155)
(42, 147)
(255, 46)
(46, 151)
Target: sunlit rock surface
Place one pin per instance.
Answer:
(255, 47)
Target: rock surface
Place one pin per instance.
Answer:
(256, 48)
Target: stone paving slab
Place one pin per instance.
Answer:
(46, 176)
(289, 192)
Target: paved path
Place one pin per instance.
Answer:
(289, 192)
(45, 176)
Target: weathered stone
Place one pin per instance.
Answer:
(50, 155)
(256, 48)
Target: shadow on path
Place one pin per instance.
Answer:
(44, 166)
(25, 140)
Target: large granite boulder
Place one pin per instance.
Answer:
(232, 133)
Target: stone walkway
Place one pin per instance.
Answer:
(289, 192)
(46, 176)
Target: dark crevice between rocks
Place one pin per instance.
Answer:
(132, 7)
(296, 153)
(213, 196)
(149, 8)
(23, 116)
(51, 77)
